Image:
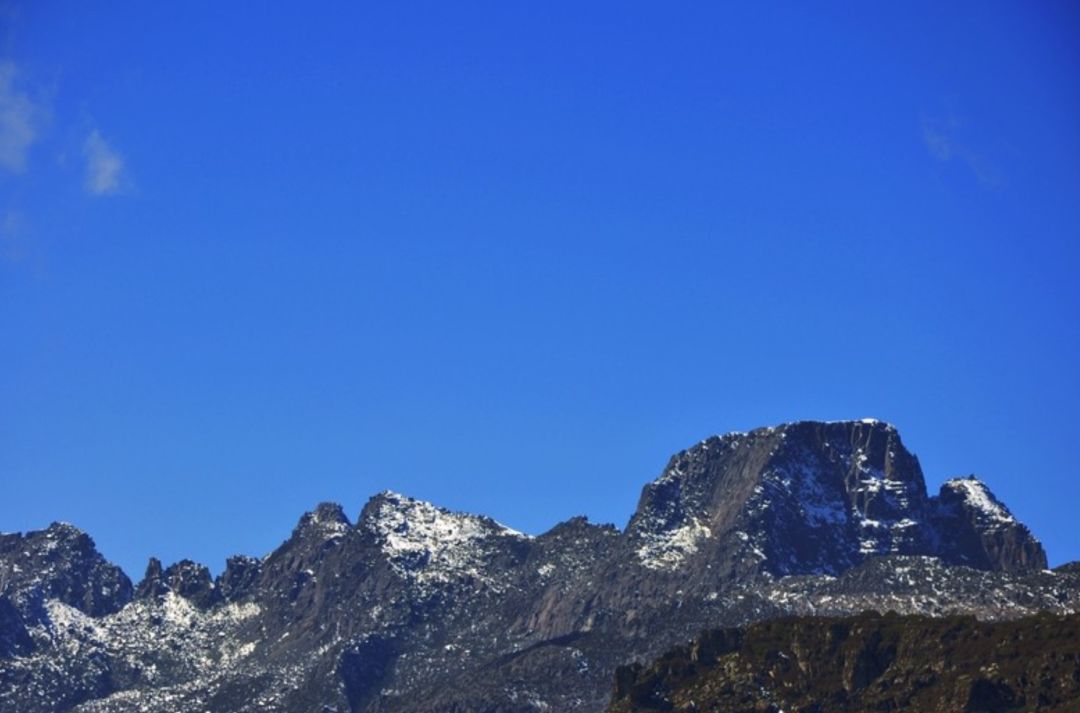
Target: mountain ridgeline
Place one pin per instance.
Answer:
(415, 608)
(812, 498)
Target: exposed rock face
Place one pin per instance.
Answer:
(865, 663)
(981, 532)
(188, 579)
(60, 563)
(810, 497)
(415, 608)
(14, 638)
(239, 578)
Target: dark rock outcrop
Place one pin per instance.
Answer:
(62, 563)
(153, 582)
(868, 663)
(240, 577)
(14, 638)
(185, 578)
(976, 529)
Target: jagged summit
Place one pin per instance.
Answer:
(980, 531)
(326, 520)
(185, 578)
(60, 562)
(974, 494)
(63, 528)
(814, 497)
(423, 541)
(390, 510)
(414, 607)
(327, 513)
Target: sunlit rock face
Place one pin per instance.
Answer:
(978, 530)
(819, 498)
(412, 607)
(62, 563)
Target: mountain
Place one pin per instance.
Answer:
(819, 498)
(415, 608)
(60, 563)
(865, 663)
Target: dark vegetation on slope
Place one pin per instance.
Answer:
(867, 662)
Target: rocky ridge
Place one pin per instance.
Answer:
(414, 608)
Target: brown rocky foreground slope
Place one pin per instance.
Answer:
(869, 662)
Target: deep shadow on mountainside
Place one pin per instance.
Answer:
(415, 608)
(867, 662)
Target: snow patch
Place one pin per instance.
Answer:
(979, 497)
(667, 549)
(424, 542)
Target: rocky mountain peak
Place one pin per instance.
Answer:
(423, 541)
(64, 531)
(240, 577)
(185, 578)
(391, 512)
(60, 562)
(326, 520)
(579, 524)
(152, 584)
(978, 530)
(809, 497)
(971, 494)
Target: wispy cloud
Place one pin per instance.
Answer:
(940, 138)
(13, 246)
(104, 166)
(21, 120)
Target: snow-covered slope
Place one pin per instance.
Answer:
(423, 542)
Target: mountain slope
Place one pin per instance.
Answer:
(865, 663)
(415, 608)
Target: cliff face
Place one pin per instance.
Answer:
(978, 530)
(60, 563)
(865, 663)
(415, 608)
(818, 498)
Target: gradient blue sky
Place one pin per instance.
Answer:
(510, 257)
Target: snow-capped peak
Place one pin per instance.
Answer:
(977, 496)
(62, 531)
(327, 520)
(329, 513)
(425, 542)
(391, 503)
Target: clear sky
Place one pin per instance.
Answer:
(509, 257)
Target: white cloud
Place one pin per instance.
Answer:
(937, 140)
(940, 139)
(13, 243)
(104, 166)
(21, 120)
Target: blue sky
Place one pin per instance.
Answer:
(509, 257)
